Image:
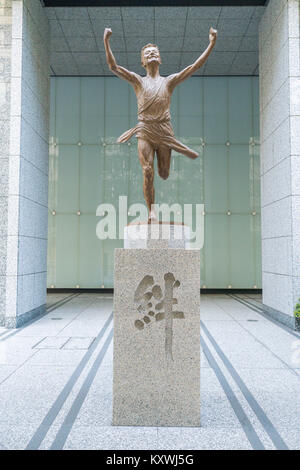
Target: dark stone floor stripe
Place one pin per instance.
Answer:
(257, 409)
(50, 417)
(236, 406)
(69, 420)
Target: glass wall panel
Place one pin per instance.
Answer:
(91, 169)
(92, 110)
(242, 250)
(66, 250)
(67, 110)
(215, 109)
(67, 194)
(89, 253)
(216, 178)
(240, 179)
(216, 116)
(217, 255)
(240, 110)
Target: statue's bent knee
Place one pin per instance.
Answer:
(163, 174)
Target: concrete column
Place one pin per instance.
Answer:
(5, 74)
(280, 157)
(25, 220)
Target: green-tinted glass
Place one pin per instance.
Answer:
(218, 117)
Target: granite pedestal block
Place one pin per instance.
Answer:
(156, 337)
(156, 235)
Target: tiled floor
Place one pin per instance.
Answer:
(56, 380)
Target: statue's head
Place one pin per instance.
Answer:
(150, 53)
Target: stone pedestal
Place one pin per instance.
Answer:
(156, 336)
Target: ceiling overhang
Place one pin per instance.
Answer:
(76, 39)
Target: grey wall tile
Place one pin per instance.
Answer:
(33, 219)
(138, 13)
(134, 27)
(278, 292)
(50, 12)
(194, 43)
(4, 168)
(4, 137)
(90, 69)
(82, 44)
(77, 27)
(37, 154)
(195, 27)
(170, 12)
(249, 43)
(85, 58)
(230, 27)
(55, 28)
(3, 243)
(170, 58)
(258, 11)
(239, 13)
(135, 43)
(33, 183)
(217, 69)
(34, 113)
(4, 99)
(172, 44)
(5, 67)
(276, 183)
(221, 58)
(253, 27)
(282, 262)
(37, 13)
(98, 26)
(40, 293)
(227, 43)
(295, 135)
(281, 141)
(67, 13)
(204, 12)
(5, 34)
(112, 13)
(65, 70)
(117, 43)
(63, 63)
(276, 219)
(32, 255)
(25, 294)
(29, 138)
(59, 44)
(3, 216)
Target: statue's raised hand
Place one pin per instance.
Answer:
(107, 34)
(213, 35)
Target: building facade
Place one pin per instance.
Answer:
(247, 179)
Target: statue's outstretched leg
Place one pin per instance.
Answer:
(146, 156)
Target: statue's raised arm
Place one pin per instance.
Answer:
(179, 77)
(121, 72)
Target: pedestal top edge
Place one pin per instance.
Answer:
(156, 223)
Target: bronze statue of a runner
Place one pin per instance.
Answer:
(154, 130)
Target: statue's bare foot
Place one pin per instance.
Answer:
(152, 217)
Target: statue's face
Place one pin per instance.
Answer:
(151, 54)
